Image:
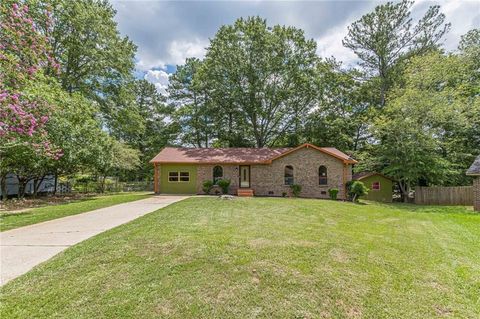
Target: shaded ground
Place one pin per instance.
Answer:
(68, 206)
(265, 257)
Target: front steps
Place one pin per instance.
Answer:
(245, 192)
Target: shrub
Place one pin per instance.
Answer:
(356, 189)
(296, 189)
(333, 192)
(284, 194)
(207, 187)
(224, 184)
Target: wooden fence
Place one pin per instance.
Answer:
(458, 195)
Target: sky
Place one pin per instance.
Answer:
(167, 32)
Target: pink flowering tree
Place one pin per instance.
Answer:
(24, 55)
(24, 58)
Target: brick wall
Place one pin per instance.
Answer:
(306, 161)
(268, 180)
(205, 172)
(476, 193)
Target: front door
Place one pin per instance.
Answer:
(245, 176)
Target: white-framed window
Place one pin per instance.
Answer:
(375, 186)
(288, 175)
(322, 175)
(217, 174)
(179, 177)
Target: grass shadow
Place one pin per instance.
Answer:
(431, 209)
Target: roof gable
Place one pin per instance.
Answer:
(235, 155)
(332, 151)
(363, 175)
(475, 167)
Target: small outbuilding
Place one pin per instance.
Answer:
(380, 186)
(474, 171)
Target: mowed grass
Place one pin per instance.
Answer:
(10, 220)
(265, 258)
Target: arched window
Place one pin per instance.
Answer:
(322, 175)
(288, 175)
(217, 174)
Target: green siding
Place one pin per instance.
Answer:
(382, 195)
(167, 187)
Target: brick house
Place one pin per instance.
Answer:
(474, 171)
(259, 171)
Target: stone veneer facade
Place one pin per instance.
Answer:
(268, 179)
(476, 193)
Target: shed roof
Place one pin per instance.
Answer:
(361, 175)
(475, 167)
(235, 155)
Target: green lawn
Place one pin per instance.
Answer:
(267, 258)
(41, 214)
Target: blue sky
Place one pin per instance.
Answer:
(167, 32)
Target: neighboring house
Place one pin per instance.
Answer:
(47, 185)
(474, 171)
(259, 171)
(380, 186)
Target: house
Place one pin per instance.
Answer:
(46, 186)
(259, 171)
(474, 171)
(380, 186)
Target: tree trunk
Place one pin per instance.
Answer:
(403, 191)
(102, 185)
(36, 185)
(3, 185)
(22, 184)
(55, 184)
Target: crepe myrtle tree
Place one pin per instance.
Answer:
(24, 56)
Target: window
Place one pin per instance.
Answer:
(217, 174)
(179, 176)
(288, 175)
(376, 186)
(173, 176)
(322, 175)
(184, 176)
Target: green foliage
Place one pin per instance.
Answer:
(383, 38)
(356, 189)
(224, 184)
(428, 132)
(189, 97)
(260, 81)
(296, 189)
(333, 192)
(95, 59)
(207, 186)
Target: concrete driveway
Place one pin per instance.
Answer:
(23, 248)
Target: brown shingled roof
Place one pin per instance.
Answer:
(235, 155)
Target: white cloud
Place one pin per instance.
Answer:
(159, 78)
(331, 45)
(167, 32)
(180, 50)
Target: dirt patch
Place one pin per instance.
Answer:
(339, 255)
